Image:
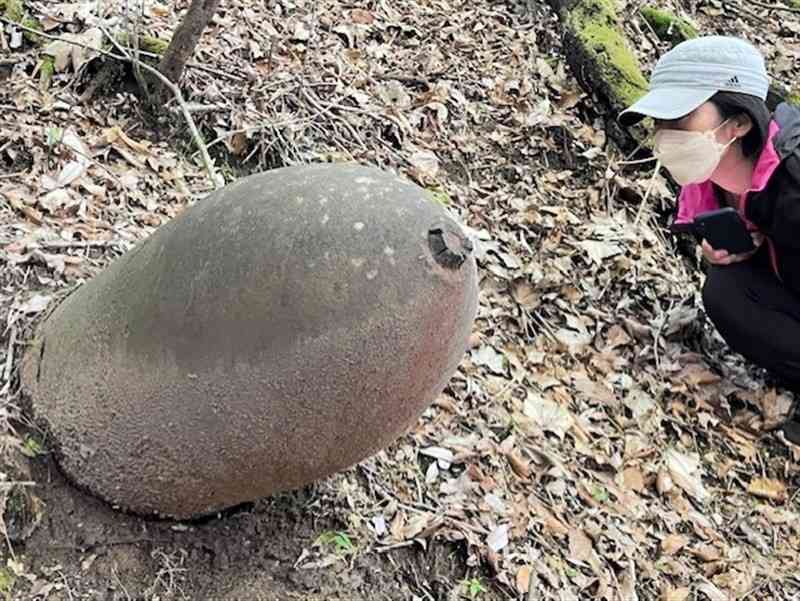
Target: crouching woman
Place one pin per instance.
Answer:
(716, 136)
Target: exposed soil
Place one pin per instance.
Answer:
(264, 551)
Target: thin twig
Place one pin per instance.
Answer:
(216, 180)
(785, 9)
(10, 485)
(247, 130)
(392, 547)
(197, 66)
(12, 341)
(69, 244)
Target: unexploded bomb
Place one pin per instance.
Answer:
(283, 328)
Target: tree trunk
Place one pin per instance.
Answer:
(602, 61)
(186, 37)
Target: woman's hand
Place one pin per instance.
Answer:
(723, 257)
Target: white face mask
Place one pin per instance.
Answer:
(690, 156)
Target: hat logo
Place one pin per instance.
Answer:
(733, 82)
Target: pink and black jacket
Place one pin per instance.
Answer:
(772, 204)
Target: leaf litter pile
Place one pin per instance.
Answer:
(598, 441)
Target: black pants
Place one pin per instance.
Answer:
(757, 316)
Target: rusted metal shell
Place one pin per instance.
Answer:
(285, 327)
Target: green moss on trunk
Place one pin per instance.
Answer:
(597, 28)
(147, 43)
(668, 27)
(14, 10)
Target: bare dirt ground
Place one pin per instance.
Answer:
(599, 441)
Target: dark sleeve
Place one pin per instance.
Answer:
(776, 209)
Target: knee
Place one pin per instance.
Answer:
(724, 293)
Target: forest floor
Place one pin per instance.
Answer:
(598, 441)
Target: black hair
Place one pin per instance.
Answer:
(731, 104)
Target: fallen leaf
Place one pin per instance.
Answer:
(600, 251)
(524, 293)
(35, 304)
(684, 472)
(548, 415)
(425, 165)
(707, 553)
(361, 16)
(617, 337)
(56, 199)
(673, 543)
(712, 592)
(775, 408)
(498, 538)
(633, 479)
(443, 456)
(524, 579)
(394, 94)
(416, 525)
(488, 357)
(768, 488)
(520, 466)
(580, 545)
(551, 523)
(675, 594)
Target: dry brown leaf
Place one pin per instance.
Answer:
(361, 16)
(673, 543)
(633, 479)
(698, 375)
(684, 471)
(627, 583)
(548, 415)
(524, 293)
(552, 524)
(617, 337)
(520, 466)
(779, 516)
(580, 545)
(768, 488)
(707, 553)
(600, 251)
(675, 594)
(775, 408)
(712, 592)
(488, 357)
(415, 525)
(524, 579)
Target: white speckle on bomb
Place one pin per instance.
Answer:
(358, 226)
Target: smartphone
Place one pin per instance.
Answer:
(724, 230)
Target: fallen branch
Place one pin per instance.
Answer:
(216, 180)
